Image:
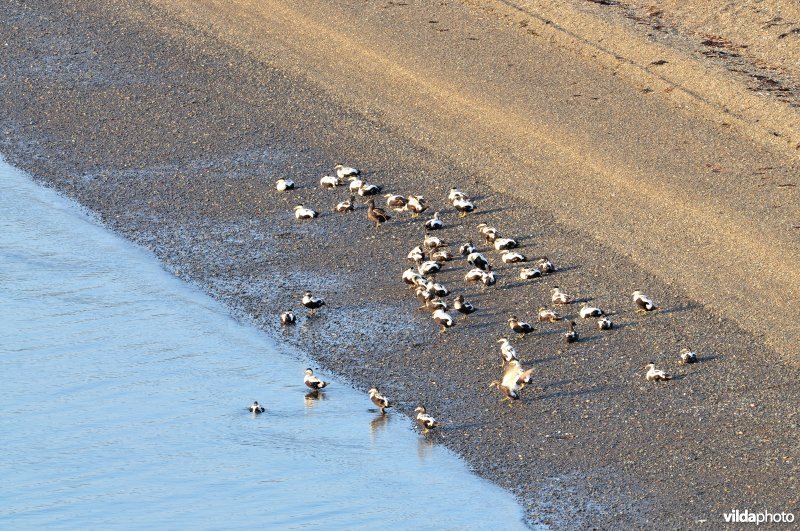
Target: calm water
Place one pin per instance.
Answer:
(124, 394)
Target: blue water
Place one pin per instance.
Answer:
(124, 394)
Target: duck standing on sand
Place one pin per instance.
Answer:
(429, 267)
(513, 257)
(435, 223)
(507, 350)
(355, 184)
(344, 172)
(330, 181)
(396, 202)
(312, 381)
(416, 205)
(518, 326)
(256, 408)
(590, 311)
(687, 356)
(376, 215)
(604, 323)
(443, 319)
(467, 249)
(503, 244)
(288, 318)
(546, 314)
(462, 306)
(425, 421)
(643, 302)
(284, 184)
(379, 400)
(476, 259)
(527, 273)
(367, 189)
(301, 212)
(490, 234)
(571, 336)
(655, 375)
(545, 265)
(513, 381)
(345, 206)
(312, 303)
(559, 297)
(455, 194)
(464, 207)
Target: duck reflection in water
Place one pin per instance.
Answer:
(312, 397)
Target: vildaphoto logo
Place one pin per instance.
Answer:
(764, 517)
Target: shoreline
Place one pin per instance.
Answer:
(194, 184)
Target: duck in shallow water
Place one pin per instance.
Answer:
(379, 400)
(424, 420)
(312, 381)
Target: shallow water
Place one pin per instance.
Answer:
(124, 399)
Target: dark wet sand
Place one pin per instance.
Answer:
(175, 140)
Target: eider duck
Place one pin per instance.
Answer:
(288, 318)
(424, 295)
(687, 356)
(464, 207)
(527, 273)
(429, 267)
(435, 223)
(411, 277)
(518, 326)
(396, 202)
(604, 323)
(490, 234)
(456, 194)
(467, 249)
(442, 255)
(376, 215)
(367, 189)
(559, 297)
(343, 171)
(512, 257)
(571, 336)
(590, 311)
(437, 289)
(435, 304)
(503, 244)
(507, 350)
(643, 302)
(416, 254)
(379, 400)
(433, 242)
(462, 306)
(545, 265)
(355, 183)
(488, 278)
(476, 259)
(345, 206)
(284, 184)
(655, 375)
(312, 303)
(546, 314)
(312, 381)
(301, 212)
(330, 181)
(425, 421)
(256, 408)
(514, 380)
(443, 319)
(416, 205)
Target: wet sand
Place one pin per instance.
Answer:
(173, 128)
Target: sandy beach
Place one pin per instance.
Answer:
(172, 121)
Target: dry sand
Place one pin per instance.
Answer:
(172, 120)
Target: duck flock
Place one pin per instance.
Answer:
(429, 257)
